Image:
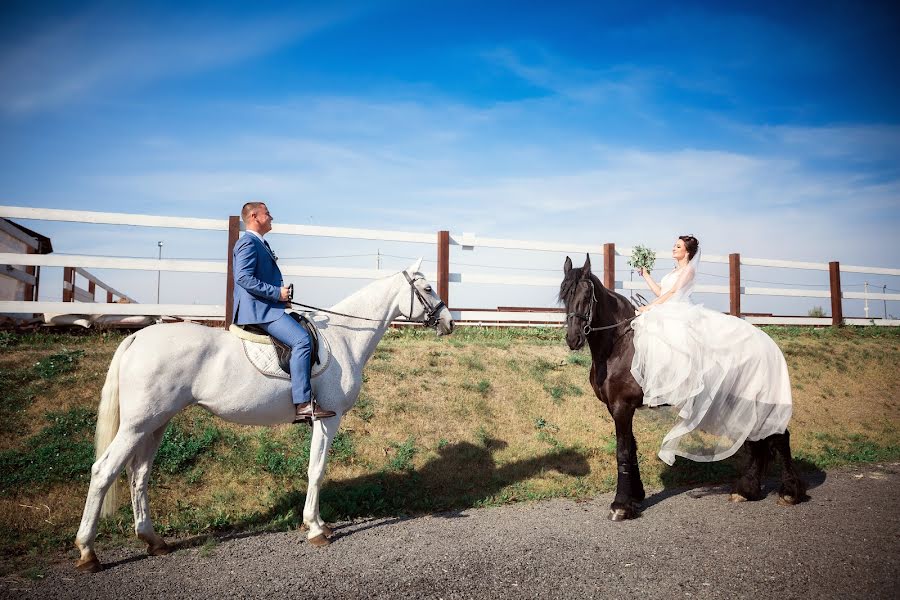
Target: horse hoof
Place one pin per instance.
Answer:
(326, 530)
(786, 501)
(89, 565)
(319, 541)
(619, 514)
(737, 498)
(161, 550)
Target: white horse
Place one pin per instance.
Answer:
(163, 369)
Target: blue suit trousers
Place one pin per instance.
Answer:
(288, 331)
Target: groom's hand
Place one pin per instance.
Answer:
(285, 294)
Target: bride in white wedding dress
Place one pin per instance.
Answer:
(727, 379)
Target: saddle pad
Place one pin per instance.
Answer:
(260, 351)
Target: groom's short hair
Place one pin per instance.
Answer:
(249, 208)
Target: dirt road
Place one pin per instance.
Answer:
(843, 543)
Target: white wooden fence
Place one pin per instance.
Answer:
(464, 240)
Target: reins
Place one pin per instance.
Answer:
(589, 318)
(431, 311)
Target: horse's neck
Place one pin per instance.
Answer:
(611, 309)
(377, 301)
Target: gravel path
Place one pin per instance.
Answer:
(843, 543)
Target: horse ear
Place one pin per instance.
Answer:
(414, 268)
(586, 269)
(567, 266)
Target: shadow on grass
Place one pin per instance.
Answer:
(705, 479)
(462, 476)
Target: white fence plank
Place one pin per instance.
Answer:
(212, 311)
(876, 322)
(359, 234)
(509, 244)
(870, 296)
(102, 262)
(75, 216)
(872, 270)
(506, 316)
(755, 291)
(788, 320)
(81, 216)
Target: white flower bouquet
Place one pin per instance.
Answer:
(642, 258)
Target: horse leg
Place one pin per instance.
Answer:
(103, 475)
(139, 475)
(637, 486)
(324, 431)
(748, 487)
(793, 488)
(623, 506)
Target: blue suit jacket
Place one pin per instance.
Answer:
(258, 281)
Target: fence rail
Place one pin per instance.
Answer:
(443, 276)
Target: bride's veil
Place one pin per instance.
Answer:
(688, 277)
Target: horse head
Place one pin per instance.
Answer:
(424, 305)
(578, 294)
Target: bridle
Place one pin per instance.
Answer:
(430, 318)
(432, 311)
(589, 318)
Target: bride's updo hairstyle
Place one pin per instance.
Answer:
(691, 244)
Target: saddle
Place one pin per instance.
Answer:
(283, 351)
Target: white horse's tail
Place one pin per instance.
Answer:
(108, 422)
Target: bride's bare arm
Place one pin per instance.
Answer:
(654, 287)
(686, 277)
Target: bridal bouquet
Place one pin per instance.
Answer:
(642, 258)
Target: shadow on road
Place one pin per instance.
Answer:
(462, 476)
(705, 479)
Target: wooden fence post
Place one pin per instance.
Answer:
(35, 289)
(609, 267)
(109, 298)
(734, 277)
(68, 284)
(837, 309)
(234, 231)
(92, 290)
(443, 266)
(29, 288)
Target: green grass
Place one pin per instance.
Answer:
(181, 447)
(483, 387)
(579, 358)
(57, 364)
(837, 451)
(62, 451)
(403, 455)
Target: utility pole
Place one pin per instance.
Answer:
(160, 244)
(378, 260)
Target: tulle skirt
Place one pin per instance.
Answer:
(727, 379)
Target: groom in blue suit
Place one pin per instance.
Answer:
(259, 299)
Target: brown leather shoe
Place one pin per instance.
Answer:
(306, 411)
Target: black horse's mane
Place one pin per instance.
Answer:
(569, 286)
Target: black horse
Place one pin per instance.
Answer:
(602, 318)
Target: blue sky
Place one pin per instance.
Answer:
(767, 130)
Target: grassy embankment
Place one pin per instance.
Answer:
(484, 417)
